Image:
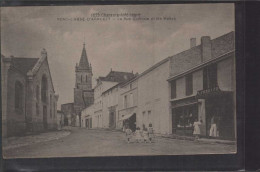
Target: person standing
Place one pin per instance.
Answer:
(138, 135)
(128, 133)
(196, 131)
(213, 128)
(150, 132)
(145, 134)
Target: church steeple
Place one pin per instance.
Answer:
(83, 63)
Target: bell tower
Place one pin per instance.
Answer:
(83, 92)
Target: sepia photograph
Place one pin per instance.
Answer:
(118, 80)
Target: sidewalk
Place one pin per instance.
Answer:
(14, 142)
(202, 140)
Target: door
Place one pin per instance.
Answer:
(112, 120)
(45, 124)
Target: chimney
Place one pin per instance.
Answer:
(44, 53)
(192, 42)
(205, 48)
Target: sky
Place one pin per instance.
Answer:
(122, 45)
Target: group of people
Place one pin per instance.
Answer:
(146, 135)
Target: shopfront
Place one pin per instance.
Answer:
(219, 107)
(184, 113)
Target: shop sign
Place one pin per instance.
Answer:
(208, 91)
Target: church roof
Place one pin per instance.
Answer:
(23, 64)
(83, 63)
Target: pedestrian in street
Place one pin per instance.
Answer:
(138, 135)
(196, 131)
(145, 135)
(128, 133)
(213, 128)
(150, 132)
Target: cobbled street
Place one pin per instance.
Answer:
(83, 142)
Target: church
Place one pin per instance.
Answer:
(83, 92)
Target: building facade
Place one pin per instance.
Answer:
(69, 114)
(103, 113)
(153, 98)
(127, 104)
(202, 81)
(60, 119)
(110, 106)
(29, 99)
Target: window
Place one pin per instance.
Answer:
(18, 96)
(130, 86)
(173, 89)
(125, 101)
(37, 92)
(149, 118)
(37, 109)
(81, 78)
(44, 89)
(86, 78)
(210, 76)
(131, 100)
(189, 85)
(50, 105)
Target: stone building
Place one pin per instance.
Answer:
(29, 102)
(83, 92)
(127, 104)
(60, 119)
(102, 112)
(69, 114)
(153, 96)
(202, 81)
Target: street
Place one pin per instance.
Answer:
(83, 142)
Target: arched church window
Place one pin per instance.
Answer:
(18, 95)
(37, 92)
(44, 88)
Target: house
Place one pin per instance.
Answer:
(60, 119)
(100, 117)
(69, 114)
(127, 104)
(29, 102)
(202, 81)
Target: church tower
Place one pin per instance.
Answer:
(83, 92)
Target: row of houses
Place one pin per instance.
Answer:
(196, 84)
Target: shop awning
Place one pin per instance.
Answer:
(126, 117)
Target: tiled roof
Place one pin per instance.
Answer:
(116, 76)
(23, 64)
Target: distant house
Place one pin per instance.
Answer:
(29, 102)
(103, 113)
(60, 119)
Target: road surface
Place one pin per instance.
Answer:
(83, 142)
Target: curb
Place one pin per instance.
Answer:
(200, 140)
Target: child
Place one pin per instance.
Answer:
(145, 134)
(196, 131)
(128, 133)
(138, 135)
(150, 132)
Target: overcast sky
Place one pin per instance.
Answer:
(121, 45)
